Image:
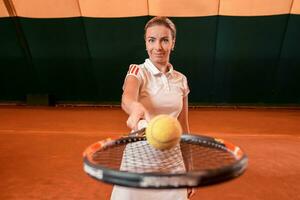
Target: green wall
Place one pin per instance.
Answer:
(230, 60)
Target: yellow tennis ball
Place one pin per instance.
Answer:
(163, 132)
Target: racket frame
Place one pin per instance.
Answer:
(163, 180)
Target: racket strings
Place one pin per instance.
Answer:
(110, 158)
(140, 157)
(206, 158)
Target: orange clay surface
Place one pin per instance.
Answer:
(41, 151)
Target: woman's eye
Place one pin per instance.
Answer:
(165, 40)
(151, 40)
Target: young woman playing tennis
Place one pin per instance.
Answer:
(150, 89)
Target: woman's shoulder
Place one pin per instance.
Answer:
(140, 66)
(135, 68)
(178, 74)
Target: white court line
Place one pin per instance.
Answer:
(212, 134)
(9, 131)
(251, 135)
(224, 134)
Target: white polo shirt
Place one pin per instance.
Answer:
(160, 93)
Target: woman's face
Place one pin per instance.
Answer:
(159, 44)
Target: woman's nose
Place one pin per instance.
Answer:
(158, 46)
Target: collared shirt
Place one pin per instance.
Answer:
(160, 93)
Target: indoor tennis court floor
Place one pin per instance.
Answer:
(41, 151)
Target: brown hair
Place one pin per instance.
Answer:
(161, 21)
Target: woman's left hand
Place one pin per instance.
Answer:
(191, 192)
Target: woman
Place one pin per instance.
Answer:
(150, 89)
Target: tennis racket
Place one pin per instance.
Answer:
(210, 161)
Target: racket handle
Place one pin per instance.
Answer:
(142, 124)
(138, 133)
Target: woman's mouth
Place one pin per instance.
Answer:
(158, 54)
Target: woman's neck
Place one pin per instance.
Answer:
(162, 67)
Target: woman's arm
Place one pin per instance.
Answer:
(130, 104)
(183, 117)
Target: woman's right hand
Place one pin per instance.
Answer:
(138, 112)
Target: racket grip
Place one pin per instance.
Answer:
(142, 124)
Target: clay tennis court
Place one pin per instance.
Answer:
(41, 150)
